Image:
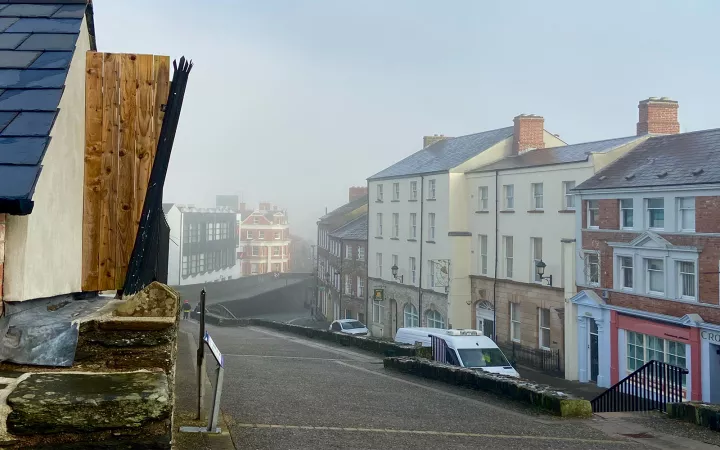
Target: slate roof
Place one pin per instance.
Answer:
(167, 207)
(557, 155)
(670, 160)
(356, 230)
(446, 154)
(346, 208)
(36, 47)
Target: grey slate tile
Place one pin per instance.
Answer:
(49, 42)
(6, 22)
(30, 124)
(30, 10)
(14, 78)
(71, 11)
(6, 118)
(16, 59)
(52, 60)
(45, 26)
(10, 41)
(30, 99)
(17, 182)
(22, 150)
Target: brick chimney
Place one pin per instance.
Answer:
(658, 116)
(528, 133)
(357, 192)
(430, 140)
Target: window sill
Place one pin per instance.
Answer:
(536, 211)
(429, 242)
(507, 211)
(593, 227)
(394, 201)
(412, 240)
(482, 211)
(430, 199)
(378, 201)
(412, 200)
(567, 211)
(378, 237)
(394, 239)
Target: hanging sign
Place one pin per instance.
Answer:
(379, 294)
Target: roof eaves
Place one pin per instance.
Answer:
(411, 175)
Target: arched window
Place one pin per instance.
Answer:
(435, 319)
(411, 316)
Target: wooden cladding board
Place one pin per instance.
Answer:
(124, 94)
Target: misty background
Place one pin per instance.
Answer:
(292, 102)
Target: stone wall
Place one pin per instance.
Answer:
(698, 413)
(554, 402)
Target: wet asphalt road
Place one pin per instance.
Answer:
(286, 392)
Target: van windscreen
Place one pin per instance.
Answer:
(482, 357)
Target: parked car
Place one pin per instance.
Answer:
(349, 326)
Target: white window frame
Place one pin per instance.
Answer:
(482, 198)
(396, 192)
(515, 321)
(482, 251)
(348, 251)
(276, 251)
(648, 213)
(508, 257)
(360, 287)
(378, 310)
(666, 353)
(543, 327)
(590, 209)
(254, 250)
(533, 248)
(568, 196)
(682, 207)
(646, 267)
(431, 189)
(396, 225)
(431, 226)
(249, 234)
(261, 234)
(537, 193)
(413, 190)
(277, 235)
(378, 265)
(621, 272)
(680, 295)
(509, 197)
(434, 319)
(413, 268)
(410, 311)
(413, 225)
(379, 191)
(624, 209)
(587, 266)
(361, 253)
(348, 284)
(379, 225)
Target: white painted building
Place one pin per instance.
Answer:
(202, 244)
(418, 221)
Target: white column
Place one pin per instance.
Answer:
(571, 321)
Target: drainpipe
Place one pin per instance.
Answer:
(182, 239)
(367, 256)
(317, 269)
(422, 263)
(341, 277)
(497, 236)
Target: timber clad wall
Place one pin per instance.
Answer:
(123, 101)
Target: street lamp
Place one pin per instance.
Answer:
(394, 270)
(540, 266)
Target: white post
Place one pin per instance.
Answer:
(571, 341)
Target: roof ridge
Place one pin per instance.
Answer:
(682, 134)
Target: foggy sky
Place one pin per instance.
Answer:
(294, 101)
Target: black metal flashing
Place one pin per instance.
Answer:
(460, 233)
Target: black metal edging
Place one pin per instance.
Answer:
(143, 266)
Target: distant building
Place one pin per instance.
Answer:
(348, 268)
(264, 240)
(202, 244)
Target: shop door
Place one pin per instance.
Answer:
(593, 349)
(714, 373)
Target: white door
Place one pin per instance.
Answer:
(336, 311)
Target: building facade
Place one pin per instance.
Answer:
(418, 222)
(265, 241)
(647, 260)
(523, 209)
(347, 270)
(327, 254)
(202, 244)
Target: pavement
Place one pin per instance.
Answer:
(287, 392)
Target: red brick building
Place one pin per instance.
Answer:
(648, 254)
(265, 241)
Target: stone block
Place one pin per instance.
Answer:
(81, 403)
(702, 414)
(155, 300)
(520, 390)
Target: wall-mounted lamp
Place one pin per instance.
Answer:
(540, 266)
(394, 270)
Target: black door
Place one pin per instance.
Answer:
(594, 350)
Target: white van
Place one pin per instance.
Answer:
(469, 347)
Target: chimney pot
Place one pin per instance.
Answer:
(528, 133)
(430, 140)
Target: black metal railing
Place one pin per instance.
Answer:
(545, 360)
(649, 388)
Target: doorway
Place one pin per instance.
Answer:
(714, 373)
(336, 311)
(594, 350)
(484, 319)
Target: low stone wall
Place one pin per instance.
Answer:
(698, 413)
(386, 348)
(519, 390)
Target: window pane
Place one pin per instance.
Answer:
(656, 275)
(687, 278)
(626, 264)
(656, 203)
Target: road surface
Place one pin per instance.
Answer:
(287, 392)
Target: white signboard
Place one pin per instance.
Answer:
(213, 348)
